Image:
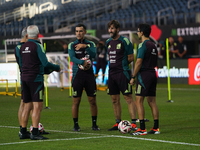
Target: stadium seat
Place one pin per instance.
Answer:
(150, 9)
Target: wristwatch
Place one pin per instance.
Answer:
(132, 77)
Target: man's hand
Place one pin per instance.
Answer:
(86, 65)
(175, 51)
(79, 46)
(132, 81)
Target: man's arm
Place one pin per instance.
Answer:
(17, 54)
(44, 60)
(138, 65)
(184, 52)
(16, 51)
(91, 49)
(129, 49)
(73, 56)
(47, 70)
(175, 51)
(130, 58)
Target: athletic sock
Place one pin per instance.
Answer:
(23, 130)
(142, 124)
(35, 131)
(156, 124)
(20, 127)
(94, 121)
(75, 121)
(133, 121)
(118, 121)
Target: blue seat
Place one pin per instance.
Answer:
(180, 18)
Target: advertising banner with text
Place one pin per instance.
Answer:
(194, 70)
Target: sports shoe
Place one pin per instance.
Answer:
(37, 137)
(154, 131)
(96, 128)
(44, 132)
(24, 136)
(134, 127)
(139, 132)
(76, 128)
(115, 127)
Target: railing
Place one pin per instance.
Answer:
(165, 16)
(80, 15)
(135, 1)
(192, 6)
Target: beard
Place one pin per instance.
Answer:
(114, 34)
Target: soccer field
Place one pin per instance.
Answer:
(179, 123)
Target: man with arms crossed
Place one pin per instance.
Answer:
(33, 60)
(120, 51)
(83, 78)
(182, 48)
(147, 56)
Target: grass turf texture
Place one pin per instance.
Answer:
(179, 122)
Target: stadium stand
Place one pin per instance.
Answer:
(55, 14)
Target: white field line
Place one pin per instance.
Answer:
(96, 136)
(52, 140)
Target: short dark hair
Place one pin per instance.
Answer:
(115, 23)
(145, 28)
(81, 25)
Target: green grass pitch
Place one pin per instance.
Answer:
(179, 123)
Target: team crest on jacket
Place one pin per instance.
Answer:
(118, 46)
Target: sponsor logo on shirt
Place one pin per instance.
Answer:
(112, 56)
(26, 50)
(78, 52)
(112, 61)
(109, 46)
(112, 52)
(153, 52)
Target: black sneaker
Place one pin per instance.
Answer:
(76, 128)
(134, 127)
(139, 132)
(44, 132)
(37, 137)
(154, 131)
(115, 127)
(96, 128)
(24, 136)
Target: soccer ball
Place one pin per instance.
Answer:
(40, 127)
(124, 126)
(87, 67)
